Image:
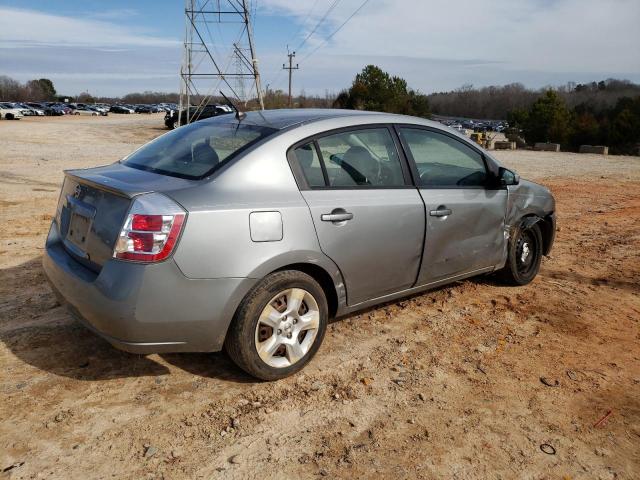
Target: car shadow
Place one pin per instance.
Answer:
(41, 333)
(209, 365)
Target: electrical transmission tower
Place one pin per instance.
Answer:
(219, 54)
(291, 68)
(240, 64)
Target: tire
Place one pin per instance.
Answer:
(524, 256)
(287, 349)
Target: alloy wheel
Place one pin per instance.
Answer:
(287, 327)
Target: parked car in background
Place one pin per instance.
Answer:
(142, 109)
(195, 114)
(250, 234)
(33, 110)
(86, 111)
(26, 110)
(59, 110)
(9, 112)
(63, 108)
(120, 109)
(101, 111)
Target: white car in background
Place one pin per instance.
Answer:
(86, 111)
(9, 112)
(99, 108)
(27, 110)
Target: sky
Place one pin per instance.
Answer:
(113, 47)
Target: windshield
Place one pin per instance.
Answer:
(196, 150)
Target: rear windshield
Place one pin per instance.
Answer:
(196, 150)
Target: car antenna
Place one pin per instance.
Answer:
(239, 115)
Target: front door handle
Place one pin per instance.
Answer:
(441, 211)
(336, 217)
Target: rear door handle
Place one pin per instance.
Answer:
(336, 217)
(440, 212)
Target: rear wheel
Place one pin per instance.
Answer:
(524, 256)
(279, 326)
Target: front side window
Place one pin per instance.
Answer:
(443, 161)
(365, 157)
(196, 150)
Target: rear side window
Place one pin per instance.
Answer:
(196, 150)
(443, 161)
(366, 157)
(309, 162)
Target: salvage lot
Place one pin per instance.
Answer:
(444, 384)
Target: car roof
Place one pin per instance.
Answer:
(289, 118)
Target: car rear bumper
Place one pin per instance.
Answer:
(145, 308)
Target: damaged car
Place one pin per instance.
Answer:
(248, 233)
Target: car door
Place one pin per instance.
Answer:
(465, 209)
(369, 219)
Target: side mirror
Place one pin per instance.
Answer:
(508, 177)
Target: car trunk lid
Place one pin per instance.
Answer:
(93, 206)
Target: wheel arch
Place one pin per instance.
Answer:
(546, 223)
(323, 278)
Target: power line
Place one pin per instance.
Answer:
(324, 17)
(304, 22)
(336, 30)
(315, 28)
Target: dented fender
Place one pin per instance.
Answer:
(527, 204)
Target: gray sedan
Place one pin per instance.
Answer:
(249, 234)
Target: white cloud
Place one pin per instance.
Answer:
(434, 45)
(20, 28)
(537, 35)
(115, 14)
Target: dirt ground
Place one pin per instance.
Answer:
(467, 381)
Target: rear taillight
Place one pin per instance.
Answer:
(151, 230)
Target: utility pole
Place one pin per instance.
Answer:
(291, 68)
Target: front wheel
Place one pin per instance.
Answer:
(524, 256)
(279, 326)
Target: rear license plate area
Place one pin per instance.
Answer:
(78, 229)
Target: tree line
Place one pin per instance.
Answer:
(551, 119)
(496, 102)
(37, 90)
(596, 113)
